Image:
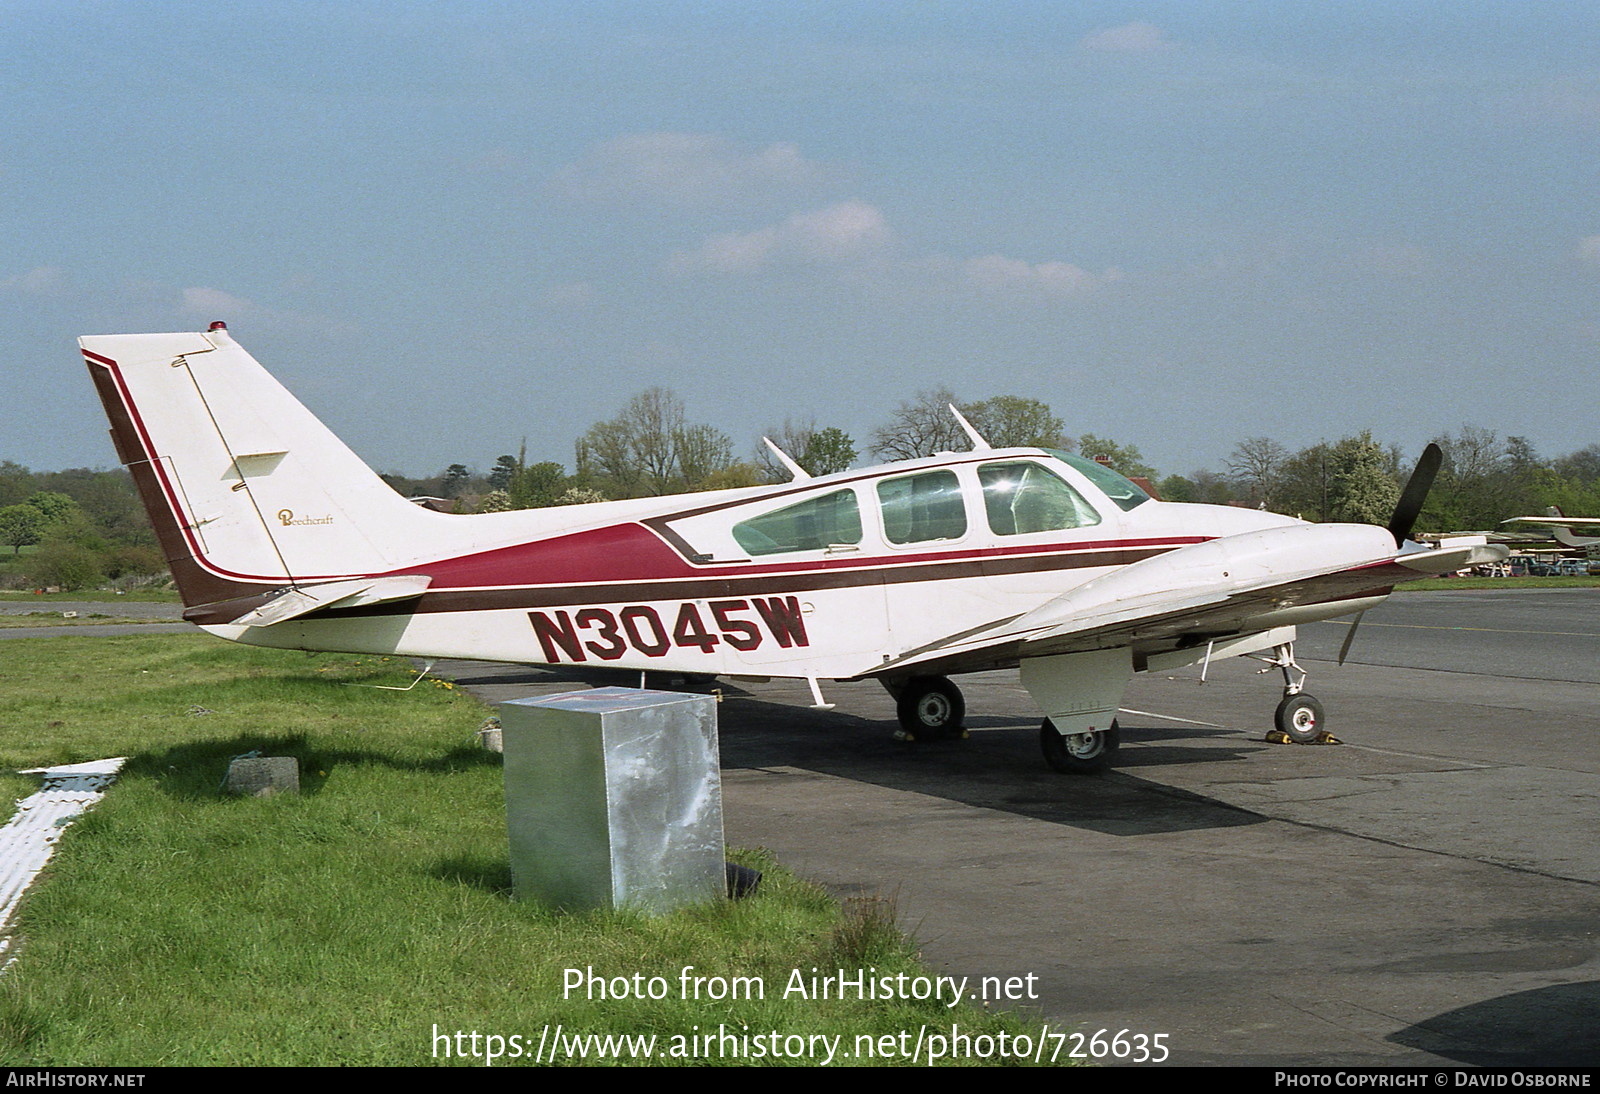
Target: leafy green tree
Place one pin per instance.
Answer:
(1582, 468)
(651, 448)
(820, 451)
(53, 506)
(1364, 486)
(456, 477)
(1011, 421)
(1305, 483)
(537, 485)
(17, 483)
(20, 526)
(505, 469)
(580, 495)
(1484, 480)
(495, 501)
(65, 564)
(828, 451)
(605, 454)
(1122, 458)
(1177, 488)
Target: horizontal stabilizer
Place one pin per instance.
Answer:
(295, 602)
(1565, 537)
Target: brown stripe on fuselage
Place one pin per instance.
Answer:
(732, 585)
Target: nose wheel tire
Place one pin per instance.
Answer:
(1079, 753)
(931, 708)
(1300, 719)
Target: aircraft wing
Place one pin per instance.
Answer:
(1555, 520)
(1561, 527)
(1235, 585)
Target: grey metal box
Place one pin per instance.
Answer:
(614, 799)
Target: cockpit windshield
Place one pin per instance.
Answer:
(1123, 491)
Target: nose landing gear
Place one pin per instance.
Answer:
(1299, 718)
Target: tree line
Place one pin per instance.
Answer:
(650, 448)
(82, 527)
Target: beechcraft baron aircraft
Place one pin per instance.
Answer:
(278, 535)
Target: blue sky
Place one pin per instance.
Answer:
(447, 226)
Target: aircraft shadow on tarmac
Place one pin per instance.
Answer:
(997, 767)
(1555, 1026)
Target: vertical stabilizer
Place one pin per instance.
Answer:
(248, 491)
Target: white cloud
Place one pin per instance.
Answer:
(852, 241)
(41, 280)
(1137, 37)
(215, 302)
(997, 273)
(844, 232)
(1589, 249)
(687, 169)
(212, 304)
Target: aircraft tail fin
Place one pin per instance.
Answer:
(248, 492)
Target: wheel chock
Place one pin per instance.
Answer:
(1278, 737)
(907, 737)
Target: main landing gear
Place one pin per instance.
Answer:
(1299, 717)
(1079, 753)
(930, 708)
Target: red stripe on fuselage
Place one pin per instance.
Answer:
(628, 553)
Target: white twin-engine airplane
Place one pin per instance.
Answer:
(278, 535)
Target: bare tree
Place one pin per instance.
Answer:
(920, 427)
(655, 419)
(703, 451)
(1255, 465)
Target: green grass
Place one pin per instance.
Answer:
(177, 926)
(96, 596)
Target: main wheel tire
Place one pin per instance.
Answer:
(931, 708)
(1299, 718)
(1082, 753)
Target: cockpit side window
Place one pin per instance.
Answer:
(921, 508)
(811, 525)
(1023, 497)
(1124, 492)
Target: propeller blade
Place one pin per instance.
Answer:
(1350, 637)
(1415, 493)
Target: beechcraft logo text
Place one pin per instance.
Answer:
(287, 517)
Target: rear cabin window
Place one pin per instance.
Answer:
(811, 525)
(920, 508)
(1023, 497)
